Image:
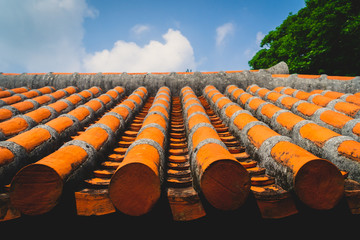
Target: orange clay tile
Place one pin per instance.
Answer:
(307, 109)
(263, 92)
(160, 73)
(269, 110)
(196, 119)
(80, 113)
(237, 93)
(317, 134)
(56, 95)
(59, 106)
(224, 182)
(209, 72)
(32, 138)
(259, 133)
(23, 106)
(245, 97)
(273, 96)
(321, 100)
(353, 99)
(155, 118)
(230, 110)
(50, 181)
(96, 137)
(203, 133)
(242, 119)
(136, 98)
(13, 126)
(350, 149)
(60, 124)
(317, 91)
(11, 74)
(278, 89)
(94, 104)
(288, 120)
(138, 173)
(44, 99)
(289, 91)
(130, 104)
(11, 99)
(124, 112)
(105, 99)
(193, 109)
(340, 78)
(253, 88)
(87, 73)
(74, 99)
(347, 108)
(152, 133)
(39, 114)
(5, 114)
(302, 95)
(6, 156)
(139, 73)
(222, 102)
(332, 94)
(229, 89)
(254, 104)
(215, 97)
(334, 119)
(308, 76)
(356, 129)
(308, 171)
(110, 121)
(85, 94)
(280, 75)
(288, 102)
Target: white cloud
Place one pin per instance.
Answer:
(175, 54)
(47, 35)
(255, 46)
(139, 29)
(42, 35)
(259, 38)
(223, 31)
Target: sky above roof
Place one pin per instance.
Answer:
(135, 35)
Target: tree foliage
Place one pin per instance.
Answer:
(323, 37)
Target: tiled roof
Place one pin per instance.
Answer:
(205, 142)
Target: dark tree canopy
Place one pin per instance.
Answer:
(323, 37)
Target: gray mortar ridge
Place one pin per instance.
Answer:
(285, 176)
(348, 129)
(342, 162)
(303, 142)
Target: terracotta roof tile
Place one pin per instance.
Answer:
(181, 140)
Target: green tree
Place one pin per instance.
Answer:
(323, 37)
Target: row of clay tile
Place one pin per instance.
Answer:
(7, 112)
(348, 97)
(224, 182)
(317, 182)
(36, 188)
(336, 121)
(26, 95)
(9, 92)
(338, 104)
(136, 184)
(344, 152)
(35, 143)
(44, 114)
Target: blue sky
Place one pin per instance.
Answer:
(135, 35)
